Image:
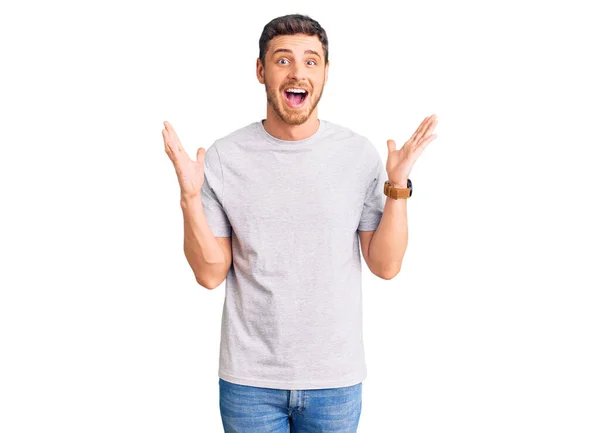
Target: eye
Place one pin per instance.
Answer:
(313, 61)
(281, 60)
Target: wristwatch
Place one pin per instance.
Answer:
(397, 193)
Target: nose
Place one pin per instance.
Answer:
(297, 72)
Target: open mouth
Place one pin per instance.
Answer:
(295, 97)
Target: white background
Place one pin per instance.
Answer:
(492, 324)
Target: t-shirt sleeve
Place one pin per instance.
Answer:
(212, 194)
(374, 198)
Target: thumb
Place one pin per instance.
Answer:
(391, 145)
(201, 151)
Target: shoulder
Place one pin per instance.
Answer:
(222, 144)
(243, 132)
(353, 141)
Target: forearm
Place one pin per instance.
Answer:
(389, 242)
(202, 250)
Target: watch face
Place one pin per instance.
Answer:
(409, 185)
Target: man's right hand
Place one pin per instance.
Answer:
(190, 174)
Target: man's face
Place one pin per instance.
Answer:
(293, 62)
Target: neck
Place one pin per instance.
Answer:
(284, 131)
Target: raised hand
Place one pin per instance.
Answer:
(399, 162)
(190, 174)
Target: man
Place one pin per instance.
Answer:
(277, 208)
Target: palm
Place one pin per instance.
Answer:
(400, 162)
(397, 159)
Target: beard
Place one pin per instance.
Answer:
(289, 115)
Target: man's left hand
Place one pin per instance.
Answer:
(400, 162)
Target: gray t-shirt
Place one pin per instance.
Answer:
(292, 315)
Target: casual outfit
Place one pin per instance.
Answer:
(292, 316)
(248, 409)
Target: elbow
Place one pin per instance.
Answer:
(203, 283)
(207, 283)
(387, 276)
(210, 277)
(389, 273)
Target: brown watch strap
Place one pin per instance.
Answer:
(397, 193)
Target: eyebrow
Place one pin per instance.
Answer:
(287, 50)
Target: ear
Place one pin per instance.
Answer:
(260, 71)
(326, 71)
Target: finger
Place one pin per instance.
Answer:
(173, 135)
(431, 125)
(175, 155)
(166, 139)
(424, 128)
(425, 142)
(391, 145)
(166, 135)
(417, 133)
(199, 153)
(170, 147)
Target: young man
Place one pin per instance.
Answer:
(277, 208)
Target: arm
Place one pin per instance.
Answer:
(385, 247)
(388, 244)
(208, 256)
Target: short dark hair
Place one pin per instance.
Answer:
(291, 25)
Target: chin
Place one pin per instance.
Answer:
(295, 120)
(295, 117)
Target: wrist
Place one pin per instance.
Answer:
(399, 183)
(186, 200)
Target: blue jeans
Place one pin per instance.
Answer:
(249, 409)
